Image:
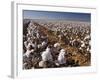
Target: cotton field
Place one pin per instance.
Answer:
(56, 43)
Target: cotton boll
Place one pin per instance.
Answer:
(56, 45)
(61, 57)
(42, 64)
(83, 44)
(46, 55)
(28, 52)
(44, 43)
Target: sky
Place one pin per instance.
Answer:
(31, 14)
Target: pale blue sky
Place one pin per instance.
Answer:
(31, 14)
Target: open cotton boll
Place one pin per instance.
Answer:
(28, 52)
(61, 57)
(87, 37)
(44, 43)
(41, 64)
(46, 55)
(56, 44)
